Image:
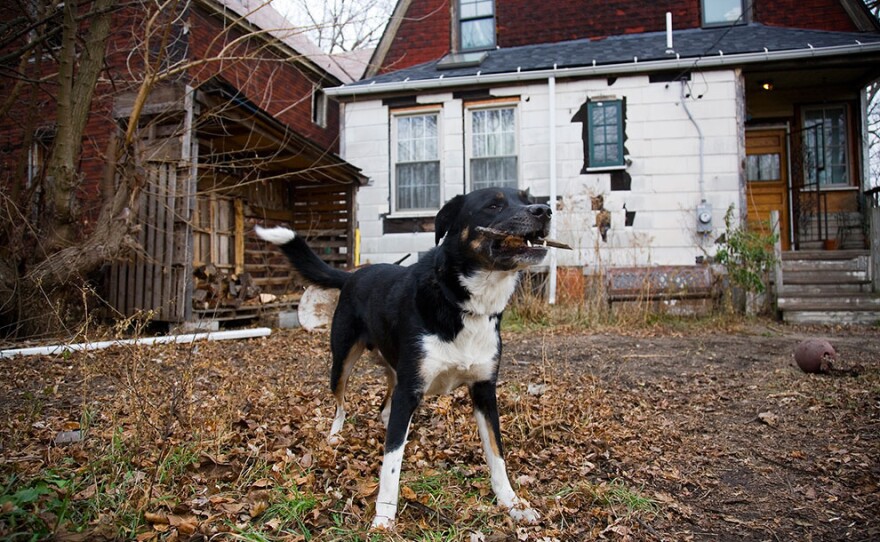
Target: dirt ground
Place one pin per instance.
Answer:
(651, 435)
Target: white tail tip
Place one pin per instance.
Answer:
(279, 235)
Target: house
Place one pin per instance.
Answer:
(642, 124)
(238, 131)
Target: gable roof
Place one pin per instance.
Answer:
(630, 53)
(261, 15)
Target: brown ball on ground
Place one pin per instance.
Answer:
(814, 355)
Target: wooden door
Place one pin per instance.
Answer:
(767, 181)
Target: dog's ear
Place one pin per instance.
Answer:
(527, 194)
(446, 217)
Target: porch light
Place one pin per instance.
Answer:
(767, 85)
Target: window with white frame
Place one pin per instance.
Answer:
(476, 19)
(416, 156)
(826, 150)
(319, 107)
(722, 12)
(493, 148)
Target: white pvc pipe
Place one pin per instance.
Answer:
(176, 339)
(551, 87)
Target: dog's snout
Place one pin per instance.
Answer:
(540, 210)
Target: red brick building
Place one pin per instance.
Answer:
(237, 130)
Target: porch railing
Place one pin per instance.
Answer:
(872, 208)
(809, 202)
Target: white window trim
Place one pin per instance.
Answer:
(459, 20)
(392, 174)
(319, 107)
(601, 169)
(469, 140)
(744, 18)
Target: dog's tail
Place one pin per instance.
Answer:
(306, 262)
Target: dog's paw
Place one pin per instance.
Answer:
(523, 513)
(382, 523)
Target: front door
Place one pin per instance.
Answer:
(767, 180)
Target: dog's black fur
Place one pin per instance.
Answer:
(436, 320)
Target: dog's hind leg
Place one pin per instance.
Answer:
(345, 353)
(486, 413)
(403, 405)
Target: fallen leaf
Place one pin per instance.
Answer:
(154, 518)
(258, 508)
(407, 493)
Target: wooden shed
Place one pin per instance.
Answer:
(215, 165)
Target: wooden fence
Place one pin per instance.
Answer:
(159, 278)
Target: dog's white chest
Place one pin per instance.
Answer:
(471, 357)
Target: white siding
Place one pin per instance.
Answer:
(662, 144)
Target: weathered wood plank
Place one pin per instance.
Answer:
(169, 300)
(239, 235)
(157, 249)
(135, 288)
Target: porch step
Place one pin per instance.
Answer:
(828, 287)
(833, 260)
(856, 301)
(868, 318)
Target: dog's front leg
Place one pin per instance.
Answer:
(486, 413)
(403, 405)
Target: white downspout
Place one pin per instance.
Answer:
(551, 84)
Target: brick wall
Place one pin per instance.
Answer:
(423, 35)
(281, 88)
(813, 14)
(519, 22)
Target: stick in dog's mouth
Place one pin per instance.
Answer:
(497, 234)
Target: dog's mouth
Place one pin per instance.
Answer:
(527, 241)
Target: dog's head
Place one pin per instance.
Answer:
(498, 228)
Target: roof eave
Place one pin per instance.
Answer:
(637, 66)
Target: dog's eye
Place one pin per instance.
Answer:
(495, 206)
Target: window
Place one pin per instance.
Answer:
(38, 155)
(722, 12)
(763, 167)
(416, 155)
(826, 160)
(605, 133)
(493, 156)
(319, 107)
(476, 20)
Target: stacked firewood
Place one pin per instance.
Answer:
(215, 288)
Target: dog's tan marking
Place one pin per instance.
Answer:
(339, 393)
(492, 439)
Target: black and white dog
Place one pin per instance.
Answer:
(436, 323)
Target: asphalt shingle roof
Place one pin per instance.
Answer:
(689, 43)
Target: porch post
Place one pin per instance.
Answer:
(777, 253)
(875, 249)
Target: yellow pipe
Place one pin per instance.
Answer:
(357, 247)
